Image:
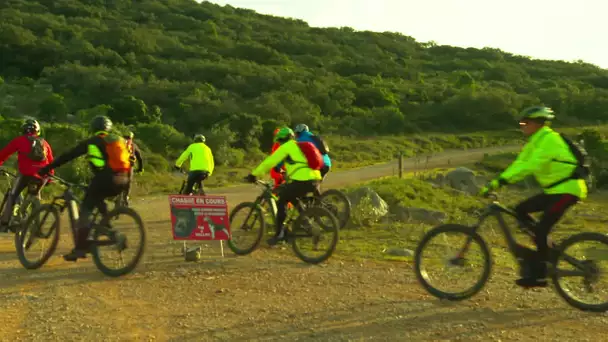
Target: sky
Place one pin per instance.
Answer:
(558, 29)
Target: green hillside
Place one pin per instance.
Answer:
(176, 67)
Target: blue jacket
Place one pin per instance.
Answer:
(307, 137)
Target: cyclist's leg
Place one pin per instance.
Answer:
(192, 178)
(288, 193)
(19, 185)
(556, 209)
(201, 179)
(93, 197)
(534, 204)
(127, 190)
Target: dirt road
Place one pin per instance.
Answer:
(269, 295)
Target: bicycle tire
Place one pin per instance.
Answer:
(448, 295)
(99, 229)
(343, 218)
(564, 294)
(298, 225)
(21, 234)
(258, 238)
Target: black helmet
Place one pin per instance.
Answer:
(101, 123)
(30, 126)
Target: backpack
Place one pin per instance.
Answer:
(583, 169)
(117, 153)
(312, 154)
(320, 143)
(37, 149)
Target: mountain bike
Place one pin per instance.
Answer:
(299, 226)
(585, 269)
(197, 188)
(22, 206)
(102, 233)
(333, 199)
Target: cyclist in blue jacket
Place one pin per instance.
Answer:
(303, 134)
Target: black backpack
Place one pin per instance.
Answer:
(320, 143)
(37, 150)
(583, 167)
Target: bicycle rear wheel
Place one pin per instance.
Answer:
(578, 278)
(459, 238)
(119, 230)
(38, 229)
(309, 227)
(338, 203)
(244, 237)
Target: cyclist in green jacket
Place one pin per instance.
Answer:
(300, 179)
(201, 163)
(549, 159)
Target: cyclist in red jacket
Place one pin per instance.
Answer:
(33, 154)
(277, 173)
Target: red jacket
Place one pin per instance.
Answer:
(27, 167)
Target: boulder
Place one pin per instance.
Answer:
(367, 205)
(462, 179)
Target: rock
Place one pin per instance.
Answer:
(374, 206)
(403, 252)
(463, 179)
(193, 254)
(418, 214)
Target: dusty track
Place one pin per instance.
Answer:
(269, 295)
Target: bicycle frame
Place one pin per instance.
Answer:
(496, 210)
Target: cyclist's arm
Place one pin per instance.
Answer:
(540, 155)
(182, 158)
(79, 150)
(11, 148)
(49, 154)
(210, 161)
(138, 158)
(273, 160)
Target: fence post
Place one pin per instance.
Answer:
(400, 164)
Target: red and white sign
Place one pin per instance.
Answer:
(199, 217)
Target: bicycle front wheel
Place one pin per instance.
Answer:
(119, 242)
(315, 227)
(42, 226)
(457, 252)
(579, 271)
(246, 228)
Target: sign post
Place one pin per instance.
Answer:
(196, 218)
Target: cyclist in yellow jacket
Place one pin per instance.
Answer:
(300, 179)
(549, 159)
(201, 163)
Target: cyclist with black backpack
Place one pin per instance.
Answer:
(33, 153)
(560, 168)
(303, 134)
(302, 164)
(108, 157)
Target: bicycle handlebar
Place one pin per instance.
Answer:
(66, 183)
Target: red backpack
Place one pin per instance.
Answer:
(312, 154)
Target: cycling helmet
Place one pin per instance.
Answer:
(537, 113)
(101, 124)
(199, 138)
(301, 128)
(30, 126)
(129, 135)
(284, 134)
(275, 132)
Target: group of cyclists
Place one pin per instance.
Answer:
(546, 155)
(112, 159)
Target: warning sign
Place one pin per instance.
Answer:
(199, 217)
